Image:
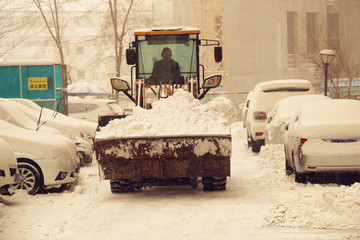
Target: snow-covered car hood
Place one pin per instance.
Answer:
(39, 145)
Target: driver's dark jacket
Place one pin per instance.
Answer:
(165, 72)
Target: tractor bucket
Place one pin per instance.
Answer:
(164, 157)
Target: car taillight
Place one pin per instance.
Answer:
(259, 134)
(302, 141)
(259, 115)
(112, 114)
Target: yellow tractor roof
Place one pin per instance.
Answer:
(166, 31)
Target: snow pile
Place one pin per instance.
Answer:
(260, 202)
(320, 206)
(225, 108)
(179, 114)
(337, 207)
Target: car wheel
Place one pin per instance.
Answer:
(288, 170)
(248, 140)
(300, 177)
(256, 145)
(30, 179)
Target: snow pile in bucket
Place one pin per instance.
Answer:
(179, 114)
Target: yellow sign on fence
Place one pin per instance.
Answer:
(37, 83)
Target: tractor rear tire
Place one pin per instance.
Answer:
(121, 186)
(214, 183)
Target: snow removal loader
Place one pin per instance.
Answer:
(164, 60)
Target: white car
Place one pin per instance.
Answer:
(44, 160)
(18, 112)
(8, 168)
(90, 109)
(9, 113)
(66, 125)
(283, 110)
(245, 108)
(323, 137)
(265, 95)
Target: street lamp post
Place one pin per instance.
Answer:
(327, 56)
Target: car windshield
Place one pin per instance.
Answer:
(183, 51)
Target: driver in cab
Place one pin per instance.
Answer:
(165, 70)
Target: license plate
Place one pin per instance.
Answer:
(343, 141)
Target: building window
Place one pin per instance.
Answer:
(81, 75)
(333, 30)
(80, 50)
(291, 38)
(311, 38)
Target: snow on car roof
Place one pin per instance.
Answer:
(179, 114)
(283, 84)
(287, 107)
(326, 118)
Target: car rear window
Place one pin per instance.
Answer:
(292, 89)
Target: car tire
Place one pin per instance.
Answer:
(300, 177)
(30, 179)
(288, 170)
(248, 139)
(256, 145)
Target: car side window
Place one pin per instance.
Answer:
(91, 107)
(77, 108)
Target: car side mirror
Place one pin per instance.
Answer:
(131, 56)
(119, 84)
(212, 81)
(218, 54)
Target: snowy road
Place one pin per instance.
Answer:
(260, 202)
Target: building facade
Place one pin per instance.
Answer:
(282, 39)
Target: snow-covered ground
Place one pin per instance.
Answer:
(260, 202)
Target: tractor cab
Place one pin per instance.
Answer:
(165, 59)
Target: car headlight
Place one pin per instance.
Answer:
(61, 176)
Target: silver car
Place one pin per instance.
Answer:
(323, 137)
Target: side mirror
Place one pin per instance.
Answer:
(119, 84)
(218, 54)
(212, 81)
(131, 56)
